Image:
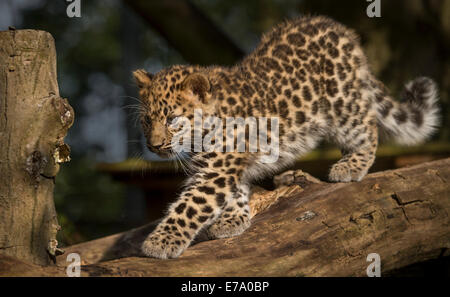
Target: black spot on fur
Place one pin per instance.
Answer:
(325, 105)
(310, 30)
(331, 87)
(296, 101)
(333, 37)
(329, 67)
(333, 52)
(210, 155)
(181, 222)
(338, 105)
(316, 85)
(296, 39)
(400, 116)
(180, 208)
(417, 117)
(218, 163)
(299, 118)
(302, 54)
(220, 182)
(220, 199)
(231, 101)
(199, 200)
(314, 48)
(282, 52)
(315, 108)
(306, 92)
(288, 68)
(207, 190)
(191, 212)
(201, 164)
(207, 209)
(348, 48)
(283, 108)
(231, 171)
(379, 98)
(211, 175)
(272, 64)
(287, 93)
(202, 219)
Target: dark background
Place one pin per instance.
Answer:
(97, 52)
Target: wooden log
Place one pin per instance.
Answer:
(307, 229)
(33, 123)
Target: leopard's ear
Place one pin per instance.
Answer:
(198, 84)
(142, 77)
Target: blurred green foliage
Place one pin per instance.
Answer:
(84, 196)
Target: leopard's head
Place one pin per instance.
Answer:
(167, 96)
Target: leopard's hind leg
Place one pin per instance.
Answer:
(358, 145)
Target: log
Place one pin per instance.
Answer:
(309, 228)
(33, 123)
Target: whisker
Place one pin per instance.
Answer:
(184, 165)
(139, 156)
(131, 97)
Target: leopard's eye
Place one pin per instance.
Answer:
(171, 120)
(147, 120)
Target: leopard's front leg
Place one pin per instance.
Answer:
(209, 191)
(235, 218)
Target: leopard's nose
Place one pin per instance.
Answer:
(154, 147)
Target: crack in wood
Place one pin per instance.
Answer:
(401, 203)
(399, 175)
(329, 226)
(366, 216)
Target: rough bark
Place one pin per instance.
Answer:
(307, 229)
(188, 30)
(33, 123)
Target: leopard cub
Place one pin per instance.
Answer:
(312, 75)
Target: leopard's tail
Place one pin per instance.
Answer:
(414, 118)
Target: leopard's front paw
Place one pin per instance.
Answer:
(163, 246)
(228, 228)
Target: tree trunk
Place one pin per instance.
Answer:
(306, 229)
(33, 123)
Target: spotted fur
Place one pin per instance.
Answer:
(311, 73)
